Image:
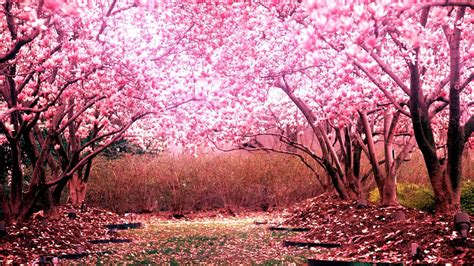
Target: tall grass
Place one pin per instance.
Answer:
(184, 183)
(232, 180)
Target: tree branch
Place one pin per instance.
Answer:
(91, 155)
(468, 128)
(382, 88)
(11, 54)
(387, 70)
(275, 151)
(170, 50)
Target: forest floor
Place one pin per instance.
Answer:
(336, 231)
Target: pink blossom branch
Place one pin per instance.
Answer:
(11, 54)
(437, 90)
(387, 70)
(46, 107)
(466, 82)
(170, 50)
(465, 3)
(80, 112)
(382, 88)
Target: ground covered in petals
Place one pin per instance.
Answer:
(378, 234)
(217, 236)
(320, 228)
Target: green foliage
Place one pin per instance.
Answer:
(121, 147)
(411, 196)
(173, 262)
(467, 197)
(421, 197)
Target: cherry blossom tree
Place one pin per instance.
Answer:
(74, 80)
(427, 44)
(252, 56)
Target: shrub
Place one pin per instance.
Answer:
(421, 197)
(411, 196)
(170, 182)
(467, 197)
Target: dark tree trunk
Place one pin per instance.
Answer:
(40, 199)
(444, 173)
(379, 178)
(336, 181)
(330, 159)
(426, 143)
(356, 158)
(17, 178)
(455, 140)
(58, 190)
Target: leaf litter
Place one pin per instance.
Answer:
(370, 234)
(376, 234)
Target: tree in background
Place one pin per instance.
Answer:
(251, 56)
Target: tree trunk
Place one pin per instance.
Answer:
(4, 208)
(77, 190)
(426, 143)
(336, 181)
(444, 173)
(331, 161)
(455, 141)
(379, 178)
(389, 193)
(17, 178)
(356, 158)
(58, 190)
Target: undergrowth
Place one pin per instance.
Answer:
(421, 196)
(256, 181)
(184, 183)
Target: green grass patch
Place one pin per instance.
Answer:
(225, 240)
(421, 197)
(411, 196)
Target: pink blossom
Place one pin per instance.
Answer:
(52, 5)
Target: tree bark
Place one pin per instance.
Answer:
(379, 178)
(17, 178)
(77, 190)
(389, 194)
(455, 140)
(330, 159)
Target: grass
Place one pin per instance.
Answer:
(218, 240)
